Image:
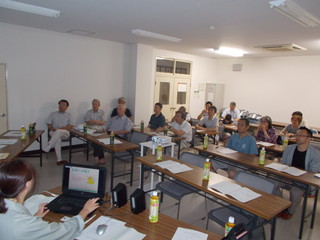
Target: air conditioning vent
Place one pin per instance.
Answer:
(282, 48)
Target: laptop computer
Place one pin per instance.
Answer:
(79, 184)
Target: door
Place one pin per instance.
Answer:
(181, 93)
(3, 100)
(163, 94)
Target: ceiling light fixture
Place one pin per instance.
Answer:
(142, 33)
(29, 8)
(233, 52)
(295, 12)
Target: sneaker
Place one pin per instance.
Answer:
(62, 162)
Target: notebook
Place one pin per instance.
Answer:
(79, 184)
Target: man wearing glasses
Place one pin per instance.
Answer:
(300, 155)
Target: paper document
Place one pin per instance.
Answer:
(116, 230)
(265, 144)
(107, 141)
(13, 134)
(287, 169)
(189, 234)
(3, 156)
(224, 150)
(33, 202)
(8, 141)
(2, 146)
(234, 190)
(174, 167)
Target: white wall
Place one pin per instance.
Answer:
(274, 86)
(45, 66)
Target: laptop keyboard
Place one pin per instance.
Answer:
(77, 202)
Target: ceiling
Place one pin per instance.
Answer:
(237, 23)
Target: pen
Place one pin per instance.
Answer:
(89, 219)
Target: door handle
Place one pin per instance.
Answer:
(2, 114)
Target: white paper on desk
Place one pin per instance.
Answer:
(224, 150)
(107, 141)
(265, 144)
(276, 166)
(33, 202)
(13, 134)
(225, 187)
(2, 146)
(8, 141)
(166, 164)
(244, 194)
(201, 130)
(189, 234)
(287, 169)
(116, 230)
(179, 168)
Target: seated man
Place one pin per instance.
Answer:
(120, 125)
(227, 120)
(58, 124)
(235, 113)
(128, 113)
(241, 142)
(300, 155)
(182, 128)
(183, 110)
(204, 112)
(209, 123)
(157, 120)
(94, 117)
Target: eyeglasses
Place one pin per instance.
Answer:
(301, 135)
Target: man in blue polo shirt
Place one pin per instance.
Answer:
(157, 120)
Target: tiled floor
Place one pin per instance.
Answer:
(50, 174)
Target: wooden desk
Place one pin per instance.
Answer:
(16, 149)
(125, 146)
(252, 162)
(276, 148)
(267, 206)
(163, 230)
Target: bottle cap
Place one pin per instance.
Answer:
(231, 219)
(263, 149)
(206, 135)
(154, 193)
(207, 160)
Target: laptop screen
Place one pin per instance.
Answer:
(84, 179)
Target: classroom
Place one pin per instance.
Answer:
(44, 62)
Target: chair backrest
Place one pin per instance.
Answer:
(255, 181)
(221, 131)
(138, 137)
(193, 159)
(194, 121)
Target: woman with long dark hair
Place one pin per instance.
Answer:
(17, 180)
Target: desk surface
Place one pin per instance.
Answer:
(274, 148)
(253, 162)
(204, 132)
(162, 230)
(16, 149)
(115, 148)
(152, 132)
(266, 206)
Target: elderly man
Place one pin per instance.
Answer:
(122, 101)
(120, 125)
(235, 113)
(300, 155)
(94, 117)
(182, 128)
(58, 124)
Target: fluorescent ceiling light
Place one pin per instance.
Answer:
(139, 32)
(233, 52)
(29, 8)
(295, 13)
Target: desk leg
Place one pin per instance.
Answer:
(87, 150)
(314, 208)
(40, 142)
(70, 146)
(141, 175)
(304, 206)
(273, 227)
(179, 146)
(112, 171)
(131, 170)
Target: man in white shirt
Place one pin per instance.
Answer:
(209, 123)
(94, 117)
(182, 128)
(235, 113)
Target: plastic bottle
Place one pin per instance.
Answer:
(285, 143)
(229, 225)
(154, 208)
(85, 128)
(205, 141)
(142, 126)
(262, 156)
(111, 138)
(159, 152)
(31, 129)
(206, 170)
(23, 133)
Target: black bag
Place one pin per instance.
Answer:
(279, 140)
(237, 232)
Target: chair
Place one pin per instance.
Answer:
(177, 189)
(220, 215)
